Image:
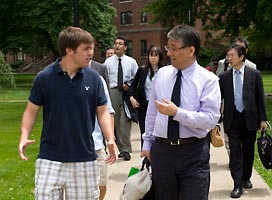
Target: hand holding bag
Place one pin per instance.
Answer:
(264, 143)
(216, 138)
(137, 185)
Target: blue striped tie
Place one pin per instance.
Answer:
(238, 95)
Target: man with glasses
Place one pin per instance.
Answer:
(121, 69)
(244, 114)
(183, 106)
(224, 65)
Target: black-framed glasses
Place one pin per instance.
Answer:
(167, 48)
(119, 44)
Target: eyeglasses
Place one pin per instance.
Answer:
(167, 48)
(119, 44)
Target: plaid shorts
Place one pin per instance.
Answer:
(77, 180)
(103, 166)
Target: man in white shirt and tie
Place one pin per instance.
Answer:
(122, 124)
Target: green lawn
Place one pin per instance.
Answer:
(17, 176)
(266, 174)
(267, 80)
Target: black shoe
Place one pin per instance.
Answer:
(247, 184)
(121, 155)
(127, 156)
(236, 193)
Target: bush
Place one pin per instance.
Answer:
(17, 64)
(6, 76)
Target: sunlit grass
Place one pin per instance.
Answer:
(16, 176)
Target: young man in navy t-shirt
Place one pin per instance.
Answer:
(71, 94)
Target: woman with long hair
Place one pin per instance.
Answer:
(143, 82)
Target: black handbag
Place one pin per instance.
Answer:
(264, 143)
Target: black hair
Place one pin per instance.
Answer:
(122, 38)
(243, 40)
(154, 50)
(240, 50)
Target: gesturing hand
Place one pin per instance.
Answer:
(166, 107)
(22, 147)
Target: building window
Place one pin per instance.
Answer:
(20, 55)
(143, 48)
(129, 48)
(126, 17)
(143, 17)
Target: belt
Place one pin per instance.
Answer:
(180, 141)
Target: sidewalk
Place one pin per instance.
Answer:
(221, 181)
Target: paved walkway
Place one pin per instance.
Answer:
(221, 182)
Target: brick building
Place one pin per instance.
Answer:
(134, 24)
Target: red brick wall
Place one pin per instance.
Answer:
(154, 34)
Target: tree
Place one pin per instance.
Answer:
(259, 31)
(171, 12)
(33, 26)
(249, 18)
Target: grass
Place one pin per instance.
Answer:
(17, 176)
(265, 174)
(267, 80)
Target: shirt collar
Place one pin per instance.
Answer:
(58, 68)
(122, 57)
(242, 70)
(90, 63)
(189, 70)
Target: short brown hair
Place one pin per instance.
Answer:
(71, 37)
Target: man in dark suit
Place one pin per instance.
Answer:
(244, 113)
(100, 68)
(102, 71)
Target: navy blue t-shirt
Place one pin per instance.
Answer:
(69, 108)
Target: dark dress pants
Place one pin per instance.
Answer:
(141, 118)
(242, 143)
(181, 172)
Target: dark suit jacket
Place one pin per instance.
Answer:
(101, 69)
(253, 98)
(137, 89)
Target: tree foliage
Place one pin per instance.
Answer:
(249, 18)
(33, 26)
(171, 12)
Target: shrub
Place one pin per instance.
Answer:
(6, 76)
(17, 64)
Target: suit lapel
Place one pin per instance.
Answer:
(229, 81)
(246, 81)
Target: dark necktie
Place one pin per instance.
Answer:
(120, 75)
(173, 126)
